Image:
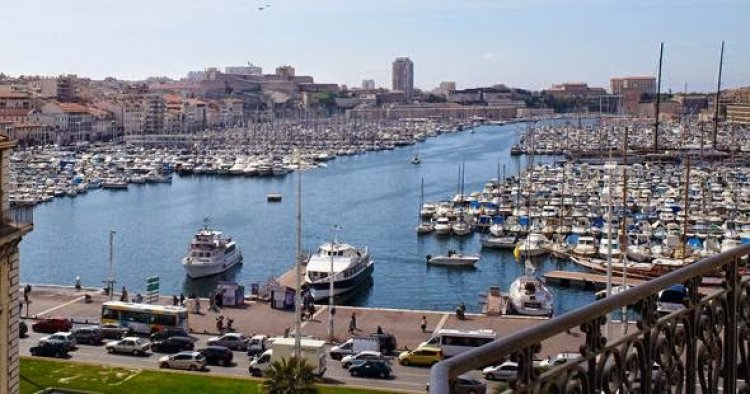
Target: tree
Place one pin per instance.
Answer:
(290, 376)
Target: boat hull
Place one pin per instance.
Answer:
(321, 290)
(195, 271)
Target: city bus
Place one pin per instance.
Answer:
(453, 342)
(144, 318)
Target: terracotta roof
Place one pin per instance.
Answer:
(14, 95)
(72, 108)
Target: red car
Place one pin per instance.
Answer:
(53, 325)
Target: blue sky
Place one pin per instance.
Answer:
(525, 43)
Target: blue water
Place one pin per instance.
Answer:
(373, 197)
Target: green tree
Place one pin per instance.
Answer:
(290, 376)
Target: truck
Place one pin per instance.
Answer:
(354, 346)
(312, 350)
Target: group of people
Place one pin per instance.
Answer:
(221, 328)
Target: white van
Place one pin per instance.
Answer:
(454, 342)
(312, 350)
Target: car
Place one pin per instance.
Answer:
(49, 349)
(91, 335)
(465, 384)
(218, 355)
(52, 325)
(168, 333)
(23, 329)
(423, 355)
(505, 371)
(347, 361)
(192, 361)
(132, 345)
(387, 341)
(172, 345)
(65, 339)
(114, 331)
(232, 340)
(371, 369)
(257, 345)
(558, 359)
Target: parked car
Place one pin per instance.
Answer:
(113, 331)
(354, 346)
(168, 333)
(371, 369)
(132, 345)
(217, 355)
(23, 329)
(347, 361)
(558, 359)
(52, 325)
(65, 339)
(172, 345)
(465, 384)
(91, 335)
(423, 355)
(232, 340)
(257, 345)
(192, 361)
(505, 371)
(387, 341)
(49, 349)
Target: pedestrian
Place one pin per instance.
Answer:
(220, 324)
(380, 330)
(139, 298)
(423, 323)
(219, 302)
(229, 325)
(25, 296)
(182, 299)
(124, 294)
(28, 288)
(174, 300)
(78, 283)
(197, 306)
(353, 323)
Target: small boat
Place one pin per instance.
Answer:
(273, 197)
(442, 226)
(502, 242)
(209, 253)
(453, 259)
(416, 159)
(530, 296)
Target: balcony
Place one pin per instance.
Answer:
(703, 345)
(18, 218)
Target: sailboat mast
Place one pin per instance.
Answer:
(623, 224)
(658, 100)
(718, 94)
(298, 284)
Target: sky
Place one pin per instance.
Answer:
(523, 43)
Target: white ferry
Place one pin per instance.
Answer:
(210, 253)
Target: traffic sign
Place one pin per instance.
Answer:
(152, 289)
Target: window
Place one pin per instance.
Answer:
(165, 320)
(108, 313)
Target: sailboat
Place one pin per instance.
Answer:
(528, 295)
(460, 227)
(423, 227)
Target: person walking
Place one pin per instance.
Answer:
(353, 323)
(124, 295)
(423, 323)
(174, 300)
(220, 324)
(182, 299)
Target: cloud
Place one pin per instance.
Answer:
(492, 56)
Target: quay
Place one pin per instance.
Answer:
(591, 281)
(257, 317)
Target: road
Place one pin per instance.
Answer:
(403, 378)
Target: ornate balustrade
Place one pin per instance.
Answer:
(701, 348)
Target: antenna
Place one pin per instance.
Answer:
(718, 94)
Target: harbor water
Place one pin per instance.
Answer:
(374, 198)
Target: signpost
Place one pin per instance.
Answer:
(152, 290)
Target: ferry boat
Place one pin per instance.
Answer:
(351, 268)
(210, 253)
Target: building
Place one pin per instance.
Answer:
(16, 222)
(155, 106)
(66, 88)
(403, 76)
(368, 84)
(250, 69)
(644, 85)
(285, 72)
(446, 87)
(738, 114)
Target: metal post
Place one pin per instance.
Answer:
(623, 226)
(658, 93)
(298, 288)
(718, 96)
(111, 279)
(331, 310)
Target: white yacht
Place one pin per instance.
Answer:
(533, 245)
(585, 247)
(210, 253)
(609, 246)
(530, 296)
(351, 267)
(453, 259)
(442, 226)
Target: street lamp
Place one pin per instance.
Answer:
(331, 307)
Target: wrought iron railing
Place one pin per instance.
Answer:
(703, 347)
(20, 216)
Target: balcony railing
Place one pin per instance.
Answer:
(703, 347)
(21, 217)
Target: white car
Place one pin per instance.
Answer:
(346, 362)
(132, 345)
(232, 340)
(64, 338)
(559, 359)
(193, 361)
(505, 371)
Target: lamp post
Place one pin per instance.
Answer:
(298, 288)
(331, 307)
(111, 278)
